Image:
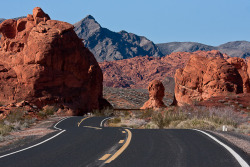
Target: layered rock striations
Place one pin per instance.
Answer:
(156, 94)
(207, 76)
(43, 61)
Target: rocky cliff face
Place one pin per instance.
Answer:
(207, 76)
(43, 61)
(109, 45)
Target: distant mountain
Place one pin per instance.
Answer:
(109, 45)
(1, 20)
(233, 49)
(168, 48)
(236, 49)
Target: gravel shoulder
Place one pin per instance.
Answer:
(35, 132)
(239, 140)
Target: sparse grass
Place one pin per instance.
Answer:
(115, 120)
(16, 120)
(104, 112)
(186, 117)
(47, 111)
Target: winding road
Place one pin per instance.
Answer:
(84, 142)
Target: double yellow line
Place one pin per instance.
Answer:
(106, 156)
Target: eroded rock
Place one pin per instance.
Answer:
(44, 62)
(156, 94)
(204, 77)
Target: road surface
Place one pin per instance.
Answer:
(83, 141)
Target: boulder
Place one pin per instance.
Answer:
(156, 94)
(204, 77)
(44, 62)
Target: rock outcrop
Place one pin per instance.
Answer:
(248, 68)
(43, 61)
(207, 76)
(139, 71)
(156, 94)
(241, 65)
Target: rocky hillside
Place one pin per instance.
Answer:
(137, 72)
(168, 48)
(236, 49)
(109, 45)
(233, 49)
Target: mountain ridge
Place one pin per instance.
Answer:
(233, 48)
(108, 45)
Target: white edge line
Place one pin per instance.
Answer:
(59, 122)
(101, 124)
(33, 145)
(61, 131)
(242, 162)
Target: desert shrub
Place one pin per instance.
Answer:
(115, 120)
(165, 118)
(104, 112)
(196, 123)
(16, 115)
(4, 129)
(159, 120)
(50, 110)
(16, 120)
(47, 111)
(146, 113)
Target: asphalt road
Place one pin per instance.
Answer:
(81, 142)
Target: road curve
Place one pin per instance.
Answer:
(84, 142)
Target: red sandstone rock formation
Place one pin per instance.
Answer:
(43, 61)
(137, 72)
(248, 67)
(207, 76)
(241, 66)
(156, 94)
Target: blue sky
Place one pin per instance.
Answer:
(211, 22)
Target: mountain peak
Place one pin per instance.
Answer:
(86, 27)
(89, 17)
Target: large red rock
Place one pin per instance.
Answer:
(43, 61)
(156, 94)
(204, 77)
(248, 68)
(241, 66)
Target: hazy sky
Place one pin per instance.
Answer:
(211, 22)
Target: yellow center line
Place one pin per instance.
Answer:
(92, 127)
(121, 141)
(104, 157)
(122, 148)
(79, 123)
